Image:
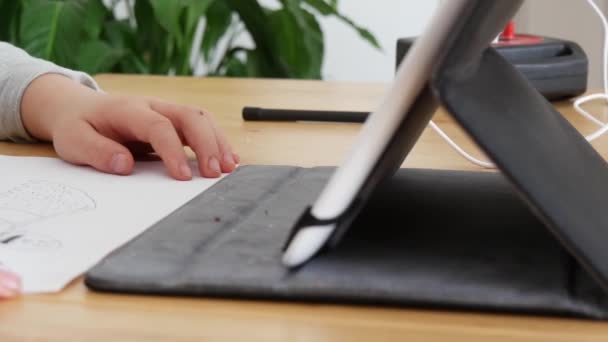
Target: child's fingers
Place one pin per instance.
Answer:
(229, 158)
(199, 135)
(10, 285)
(82, 144)
(157, 130)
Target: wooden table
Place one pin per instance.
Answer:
(81, 315)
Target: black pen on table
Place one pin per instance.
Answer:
(268, 114)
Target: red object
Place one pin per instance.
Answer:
(509, 32)
(508, 37)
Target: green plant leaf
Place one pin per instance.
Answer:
(179, 18)
(316, 42)
(298, 40)
(234, 67)
(312, 37)
(152, 39)
(84, 34)
(219, 17)
(9, 16)
(168, 14)
(97, 56)
(330, 8)
(15, 24)
(52, 29)
(256, 22)
(119, 34)
(364, 33)
(41, 25)
(195, 9)
(323, 7)
(257, 65)
(95, 14)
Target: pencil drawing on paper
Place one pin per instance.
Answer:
(29, 240)
(33, 202)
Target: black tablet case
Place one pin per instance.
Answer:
(533, 241)
(446, 239)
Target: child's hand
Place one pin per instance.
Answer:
(103, 131)
(10, 286)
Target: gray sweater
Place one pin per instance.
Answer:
(17, 71)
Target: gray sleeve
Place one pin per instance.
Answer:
(17, 71)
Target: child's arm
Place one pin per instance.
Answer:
(17, 71)
(39, 100)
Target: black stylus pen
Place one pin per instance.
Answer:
(266, 114)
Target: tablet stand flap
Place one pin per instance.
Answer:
(553, 167)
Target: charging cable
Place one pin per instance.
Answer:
(578, 103)
(582, 100)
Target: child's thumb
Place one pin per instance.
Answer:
(85, 145)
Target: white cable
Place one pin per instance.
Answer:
(605, 26)
(577, 103)
(458, 149)
(582, 100)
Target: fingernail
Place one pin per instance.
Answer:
(229, 159)
(119, 163)
(236, 157)
(214, 165)
(185, 171)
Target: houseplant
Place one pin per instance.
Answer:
(158, 36)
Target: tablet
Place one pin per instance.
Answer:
(391, 131)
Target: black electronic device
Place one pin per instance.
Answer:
(557, 68)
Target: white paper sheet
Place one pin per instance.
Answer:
(57, 220)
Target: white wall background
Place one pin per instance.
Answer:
(348, 57)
